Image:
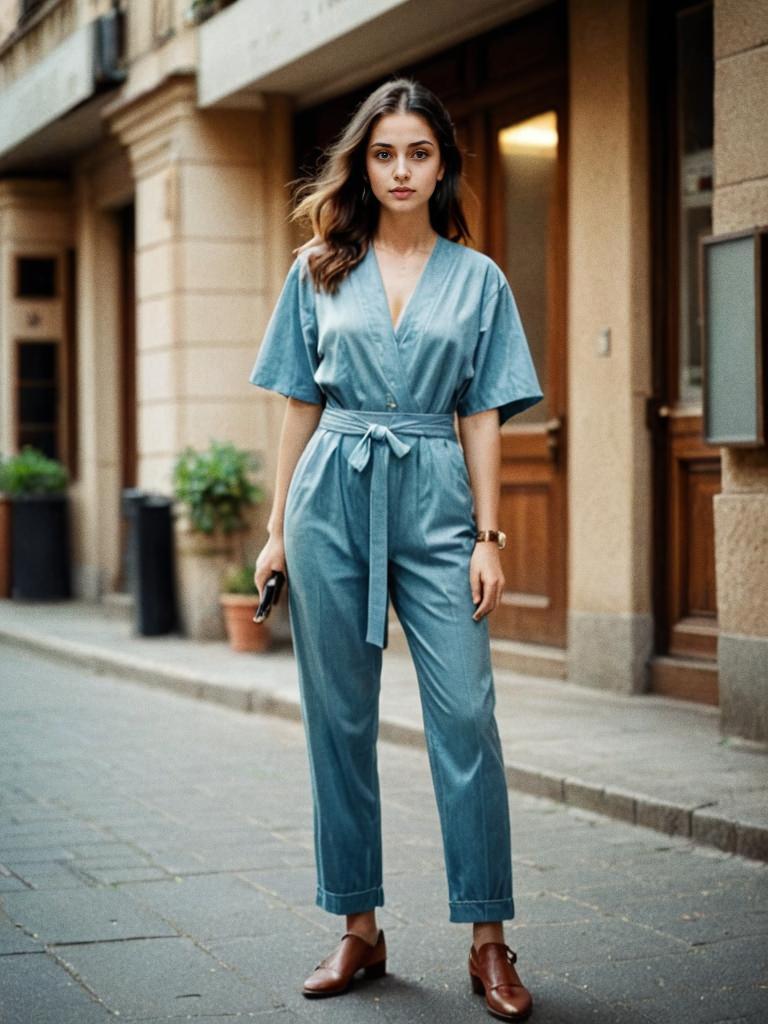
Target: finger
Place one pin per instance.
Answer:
(490, 599)
(476, 585)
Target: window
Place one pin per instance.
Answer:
(38, 396)
(693, 143)
(35, 277)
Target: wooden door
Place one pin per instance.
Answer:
(525, 229)
(686, 470)
(127, 284)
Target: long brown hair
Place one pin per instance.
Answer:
(333, 201)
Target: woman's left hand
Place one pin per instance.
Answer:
(486, 578)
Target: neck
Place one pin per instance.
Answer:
(404, 234)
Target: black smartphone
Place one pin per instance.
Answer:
(270, 595)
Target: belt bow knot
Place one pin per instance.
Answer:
(361, 453)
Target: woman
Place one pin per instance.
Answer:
(384, 328)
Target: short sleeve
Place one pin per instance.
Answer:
(504, 376)
(287, 357)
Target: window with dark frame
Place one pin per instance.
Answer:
(38, 396)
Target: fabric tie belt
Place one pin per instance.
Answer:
(380, 427)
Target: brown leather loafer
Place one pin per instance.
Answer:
(333, 975)
(492, 971)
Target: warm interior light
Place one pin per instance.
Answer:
(538, 132)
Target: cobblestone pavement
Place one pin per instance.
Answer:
(156, 863)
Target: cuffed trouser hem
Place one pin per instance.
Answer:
(481, 910)
(350, 902)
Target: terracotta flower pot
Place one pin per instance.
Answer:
(244, 634)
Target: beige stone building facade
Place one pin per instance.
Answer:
(145, 152)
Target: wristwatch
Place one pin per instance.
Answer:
(496, 535)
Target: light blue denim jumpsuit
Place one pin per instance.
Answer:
(380, 507)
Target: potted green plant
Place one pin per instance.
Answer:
(39, 535)
(239, 600)
(216, 493)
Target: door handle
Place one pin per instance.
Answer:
(657, 413)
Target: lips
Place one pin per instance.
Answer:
(402, 191)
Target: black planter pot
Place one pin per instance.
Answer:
(40, 549)
(154, 586)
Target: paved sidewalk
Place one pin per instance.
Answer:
(156, 863)
(647, 760)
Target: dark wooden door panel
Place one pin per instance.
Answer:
(127, 300)
(694, 475)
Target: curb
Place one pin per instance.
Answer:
(696, 822)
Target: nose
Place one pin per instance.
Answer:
(401, 170)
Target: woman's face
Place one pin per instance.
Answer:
(403, 154)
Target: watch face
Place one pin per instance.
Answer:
(502, 539)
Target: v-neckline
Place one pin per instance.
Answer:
(395, 327)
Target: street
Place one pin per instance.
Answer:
(156, 863)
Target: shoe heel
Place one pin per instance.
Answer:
(477, 985)
(377, 970)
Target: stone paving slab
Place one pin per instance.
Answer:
(645, 759)
(84, 915)
(177, 975)
(37, 987)
(614, 924)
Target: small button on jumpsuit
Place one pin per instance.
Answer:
(380, 506)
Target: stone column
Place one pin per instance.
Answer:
(741, 509)
(100, 182)
(610, 622)
(212, 249)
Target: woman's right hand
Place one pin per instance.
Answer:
(271, 557)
